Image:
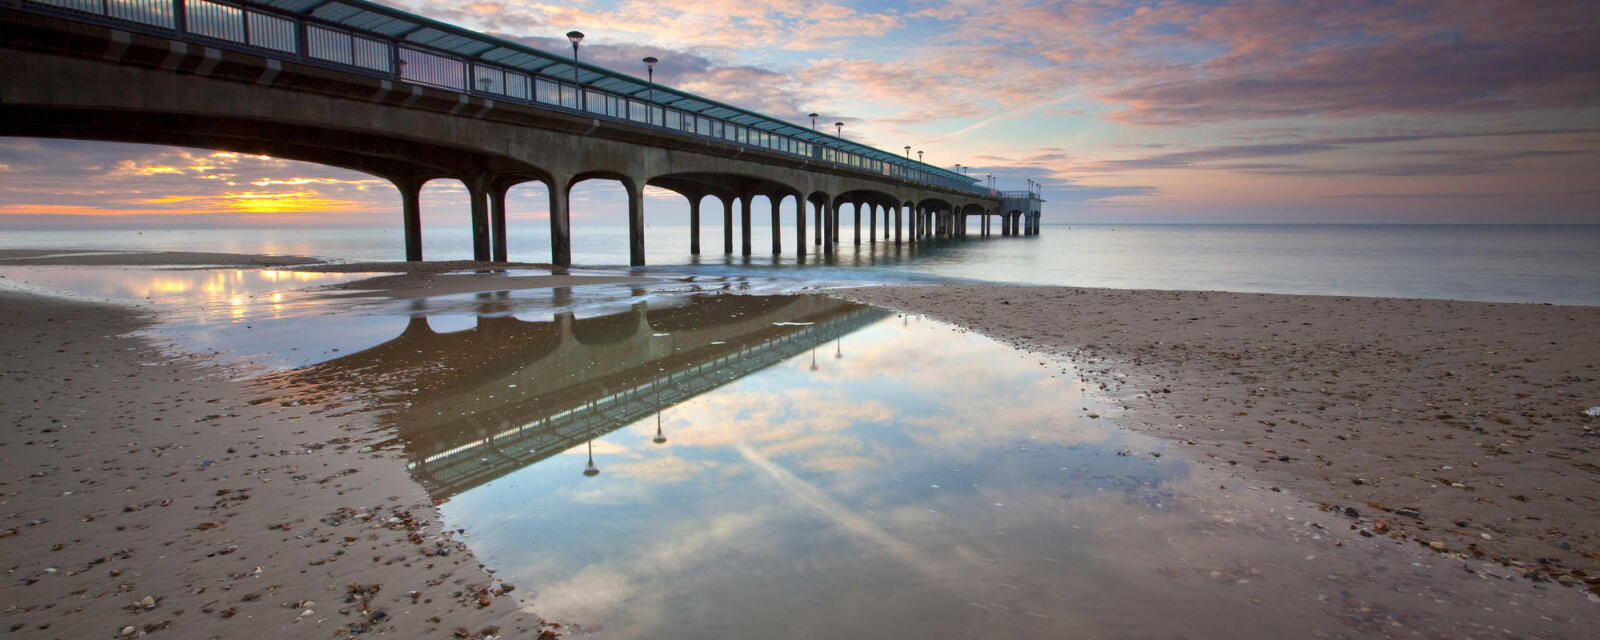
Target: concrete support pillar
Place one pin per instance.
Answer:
(830, 226)
(897, 209)
(744, 224)
(857, 228)
(777, 224)
(800, 226)
(635, 222)
(872, 223)
(833, 216)
(560, 223)
(694, 223)
(816, 220)
(478, 202)
(497, 220)
(411, 215)
(727, 225)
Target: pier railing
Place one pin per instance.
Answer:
(406, 55)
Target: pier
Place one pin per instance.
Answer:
(366, 87)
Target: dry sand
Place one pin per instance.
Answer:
(1459, 425)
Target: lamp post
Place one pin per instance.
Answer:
(919, 155)
(813, 122)
(575, 37)
(908, 152)
(839, 126)
(650, 71)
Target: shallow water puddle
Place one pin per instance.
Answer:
(798, 467)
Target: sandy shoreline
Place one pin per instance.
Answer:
(1456, 423)
(235, 508)
(238, 507)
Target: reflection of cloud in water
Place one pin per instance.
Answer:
(685, 554)
(669, 468)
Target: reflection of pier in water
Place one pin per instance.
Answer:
(509, 393)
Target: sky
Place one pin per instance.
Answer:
(1218, 111)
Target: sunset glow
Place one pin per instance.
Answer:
(1126, 111)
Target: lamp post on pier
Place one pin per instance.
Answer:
(908, 152)
(650, 71)
(575, 37)
(813, 122)
(839, 126)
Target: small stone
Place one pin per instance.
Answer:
(128, 631)
(148, 603)
(1350, 511)
(1436, 546)
(1380, 525)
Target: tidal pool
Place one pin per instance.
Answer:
(725, 466)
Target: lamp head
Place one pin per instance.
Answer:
(650, 62)
(575, 37)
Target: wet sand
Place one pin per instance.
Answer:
(232, 505)
(151, 492)
(1456, 425)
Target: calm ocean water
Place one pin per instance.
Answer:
(1557, 264)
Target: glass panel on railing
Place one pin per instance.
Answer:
(427, 68)
(488, 79)
(87, 6)
(327, 44)
(637, 111)
(212, 20)
(658, 116)
(517, 86)
(152, 12)
(546, 91)
(673, 121)
(702, 126)
(376, 55)
(594, 101)
(569, 96)
(271, 32)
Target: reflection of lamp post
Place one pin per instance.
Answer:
(813, 358)
(838, 346)
(575, 37)
(659, 439)
(591, 471)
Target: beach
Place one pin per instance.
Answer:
(1458, 425)
(149, 490)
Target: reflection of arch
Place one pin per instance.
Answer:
(610, 329)
(702, 311)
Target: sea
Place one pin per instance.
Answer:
(1554, 264)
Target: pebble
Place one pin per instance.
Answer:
(149, 602)
(128, 631)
